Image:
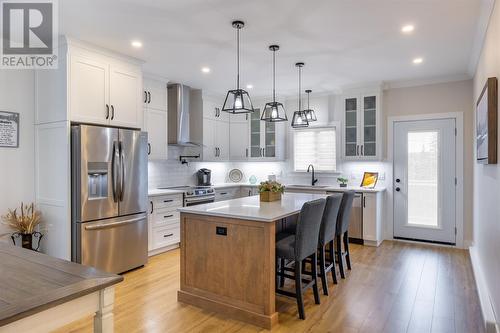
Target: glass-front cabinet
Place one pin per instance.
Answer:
(263, 137)
(362, 126)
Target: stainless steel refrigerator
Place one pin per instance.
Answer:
(109, 197)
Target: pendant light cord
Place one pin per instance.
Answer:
(274, 76)
(300, 88)
(238, 58)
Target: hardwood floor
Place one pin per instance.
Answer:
(398, 287)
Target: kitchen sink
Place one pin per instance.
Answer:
(309, 186)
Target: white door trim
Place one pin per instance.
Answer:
(459, 121)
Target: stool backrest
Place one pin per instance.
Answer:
(307, 231)
(345, 212)
(329, 220)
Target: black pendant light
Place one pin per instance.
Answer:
(310, 114)
(299, 119)
(238, 100)
(274, 111)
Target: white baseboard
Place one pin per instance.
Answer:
(163, 249)
(488, 313)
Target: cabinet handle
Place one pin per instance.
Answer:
(145, 96)
(168, 235)
(357, 150)
(223, 193)
(152, 207)
(149, 97)
(362, 152)
(169, 200)
(107, 111)
(246, 152)
(364, 201)
(167, 216)
(112, 112)
(149, 148)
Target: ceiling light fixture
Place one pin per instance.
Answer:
(205, 69)
(274, 111)
(299, 119)
(238, 100)
(310, 114)
(136, 43)
(406, 29)
(418, 61)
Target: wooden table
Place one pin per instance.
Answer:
(228, 256)
(39, 293)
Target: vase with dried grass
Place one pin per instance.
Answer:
(24, 224)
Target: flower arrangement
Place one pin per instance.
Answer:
(271, 186)
(24, 223)
(270, 191)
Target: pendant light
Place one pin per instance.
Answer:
(274, 111)
(310, 114)
(238, 100)
(299, 119)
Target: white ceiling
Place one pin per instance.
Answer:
(342, 42)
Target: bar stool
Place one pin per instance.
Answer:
(342, 231)
(327, 234)
(299, 246)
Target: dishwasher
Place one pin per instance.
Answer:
(356, 220)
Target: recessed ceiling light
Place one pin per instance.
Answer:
(406, 29)
(249, 86)
(205, 69)
(136, 43)
(417, 61)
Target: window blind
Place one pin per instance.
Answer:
(316, 146)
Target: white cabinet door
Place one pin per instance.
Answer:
(238, 141)
(155, 94)
(370, 216)
(209, 139)
(125, 95)
(156, 126)
(222, 140)
(88, 90)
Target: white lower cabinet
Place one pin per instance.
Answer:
(248, 191)
(227, 193)
(164, 223)
(372, 218)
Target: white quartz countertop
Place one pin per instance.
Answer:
(250, 208)
(156, 192)
(334, 188)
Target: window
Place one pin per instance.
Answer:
(316, 146)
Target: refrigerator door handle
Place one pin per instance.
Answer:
(113, 224)
(115, 171)
(122, 172)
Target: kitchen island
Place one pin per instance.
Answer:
(39, 293)
(228, 255)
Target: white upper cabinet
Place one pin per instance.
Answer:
(155, 94)
(238, 137)
(209, 149)
(215, 131)
(155, 118)
(267, 141)
(88, 90)
(222, 140)
(125, 96)
(362, 126)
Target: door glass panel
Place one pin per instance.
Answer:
(369, 125)
(351, 133)
(423, 181)
(255, 133)
(270, 139)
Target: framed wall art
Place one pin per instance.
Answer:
(486, 123)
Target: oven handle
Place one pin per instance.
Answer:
(112, 224)
(204, 199)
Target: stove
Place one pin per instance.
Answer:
(194, 195)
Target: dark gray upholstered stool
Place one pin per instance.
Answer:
(296, 248)
(327, 234)
(342, 231)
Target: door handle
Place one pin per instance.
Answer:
(113, 224)
(114, 172)
(107, 111)
(122, 173)
(152, 207)
(112, 112)
(149, 148)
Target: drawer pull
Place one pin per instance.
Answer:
(168, 235)
(167, 216)
(169, 200)
(223, 193)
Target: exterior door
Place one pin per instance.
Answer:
(134, 172)
(424, 180)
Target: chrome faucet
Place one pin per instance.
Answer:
(313, 180)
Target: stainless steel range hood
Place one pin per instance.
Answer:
(185, 116)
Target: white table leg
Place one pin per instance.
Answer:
(103, 320)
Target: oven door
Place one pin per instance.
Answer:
(193, 201)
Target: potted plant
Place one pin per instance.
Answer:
(270, 191)
(24, 225)
(343, 181)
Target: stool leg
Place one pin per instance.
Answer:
(314, 270)
(346, 248)
(322, 272)
(340, 257)
(282, 272)
(332, 256)
(298, 290)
